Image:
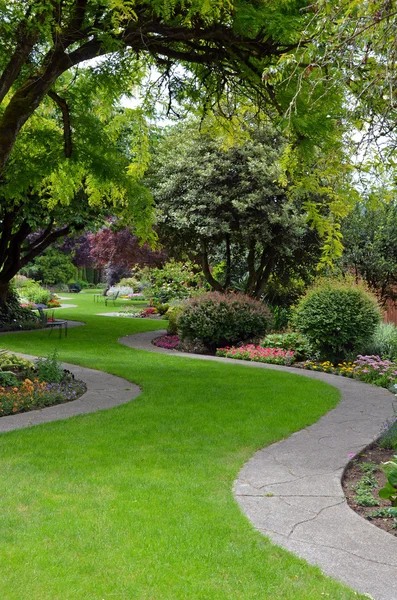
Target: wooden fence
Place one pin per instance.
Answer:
(390, 314)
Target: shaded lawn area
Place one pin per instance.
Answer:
(136, 502)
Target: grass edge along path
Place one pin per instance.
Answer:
(136, 502)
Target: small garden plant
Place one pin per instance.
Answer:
(291, 340)
(389, 491)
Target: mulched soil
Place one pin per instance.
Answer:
(353, 474)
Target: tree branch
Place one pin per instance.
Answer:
(49, 239)
(67, 132)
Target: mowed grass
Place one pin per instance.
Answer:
(136, 502)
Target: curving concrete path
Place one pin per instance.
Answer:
(103, 391)
(291, 491)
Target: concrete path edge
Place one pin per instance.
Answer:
(291, 491)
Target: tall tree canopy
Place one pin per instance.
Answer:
(227, 205)
(65, 146)
(220, 42)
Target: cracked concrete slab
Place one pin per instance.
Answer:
(291, 491)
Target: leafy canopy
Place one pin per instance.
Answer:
(220, 204)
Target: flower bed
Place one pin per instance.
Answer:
(167, 341)
(250, 352)
(30, 395)
(144, 313)
(369, 369)
(27, 386)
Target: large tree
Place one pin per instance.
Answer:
(119, 251)
(218, 204)
(54, 178)
(46, 195)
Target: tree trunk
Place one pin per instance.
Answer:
(228, 277)
(207, 272)
(250, 287)
(3, 293)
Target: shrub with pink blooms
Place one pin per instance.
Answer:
(275, 356)
(223, 319)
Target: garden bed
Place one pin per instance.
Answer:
(365, 466)
(26, 386)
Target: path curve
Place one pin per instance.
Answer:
(291, 491)
(103, 391)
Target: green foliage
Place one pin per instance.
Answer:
(389, 491)
(338, 317)
(12, 362)
(388, 436)
(370, 244)
(384, 513)
(32, 291)
(281, 317)
(8, 378)
(49, 369)
(368, 467)
(174, 281)
(173, 315)
(384, 341)
(162, 309)
(80, 283)
(363, 487)
(227, 207)
(13, 316)
(52, 267)
(223, 319)
(291, 340)
(132, 282)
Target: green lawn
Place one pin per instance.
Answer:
(136, 502)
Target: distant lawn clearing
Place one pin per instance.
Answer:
(136, 502)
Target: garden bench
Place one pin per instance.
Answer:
(49, 322)
(112, 297)
(100, 297)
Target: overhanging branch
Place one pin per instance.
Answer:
(67, 131)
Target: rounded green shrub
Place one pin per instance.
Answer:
(222, 319)
(338, 318)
